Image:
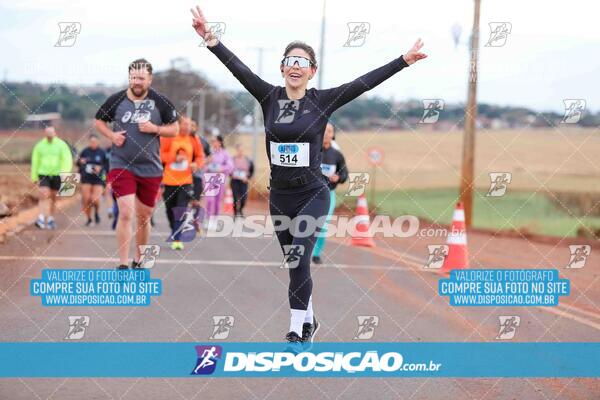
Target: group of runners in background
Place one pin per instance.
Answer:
(187, 159)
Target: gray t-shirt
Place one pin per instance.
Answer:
(140, 153)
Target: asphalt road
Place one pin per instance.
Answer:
(240, 277)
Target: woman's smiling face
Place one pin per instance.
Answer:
(295, 76)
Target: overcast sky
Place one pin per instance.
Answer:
(552, 52)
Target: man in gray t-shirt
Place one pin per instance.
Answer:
(139, 116)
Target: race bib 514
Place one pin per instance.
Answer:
(290, 154)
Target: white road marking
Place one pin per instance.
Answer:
(232, 263)
(579, 310)
(161, 234)
(560, 310)
(92, 232)
(565, 314)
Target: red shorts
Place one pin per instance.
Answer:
(124, 182)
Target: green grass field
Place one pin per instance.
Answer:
(527, 211)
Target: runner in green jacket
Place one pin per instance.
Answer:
(50, 157)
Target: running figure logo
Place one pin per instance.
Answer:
(68, 183)
(149, 253)
(574, 109)
(77, 326)
(508, 326)
(222, 326)
(437, 256)
(68, 34)
(366, 326)
(431, 110)
(143, 111)
(213, 181)
(207, 359)
(287, 111)
(291, 255)
(499, 33)
(357, 183)
(357, 33)
(499, 183)
(579, 255)
(186, 232)
(216, 28)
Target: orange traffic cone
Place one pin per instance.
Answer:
(457, 257)
(362, 237)
(228, 203)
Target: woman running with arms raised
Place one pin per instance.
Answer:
(295, 120)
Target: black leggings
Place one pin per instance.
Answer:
(313, 202)
(176, 196)
(240, 193)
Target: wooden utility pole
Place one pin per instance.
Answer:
(468, 160)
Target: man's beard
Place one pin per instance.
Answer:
(139, 91)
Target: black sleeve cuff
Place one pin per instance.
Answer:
(403, 63)
(216, 48)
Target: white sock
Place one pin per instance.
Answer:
(296, 320)
(41, 217)
(309, 312)
(50, 219)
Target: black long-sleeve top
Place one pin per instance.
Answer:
(293, 125)
(93, 157)
(334, 163)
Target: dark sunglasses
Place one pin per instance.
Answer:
(303, 62)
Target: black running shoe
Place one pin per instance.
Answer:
(309, 330)
(97, 218)
(89, 222)
(294, 343)
(136, 265)
(123, 266)
(317, 260)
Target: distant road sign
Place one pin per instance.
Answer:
(375, 155)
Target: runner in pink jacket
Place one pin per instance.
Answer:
(221, 162)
